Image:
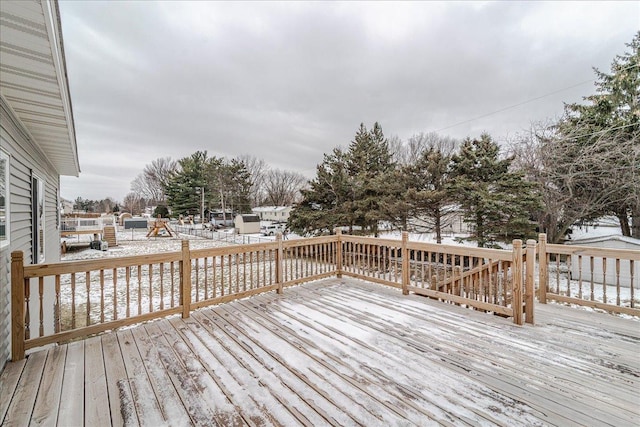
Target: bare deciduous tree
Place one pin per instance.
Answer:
(282, 188)
(151, 183)
(257, 169)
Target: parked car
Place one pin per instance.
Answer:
(271, 230)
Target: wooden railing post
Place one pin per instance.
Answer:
(405, 263)
(185, 280)
(279, 262)
(339, 253)
(516, 282)
(529, 288)
(17, 306)
(543, 268)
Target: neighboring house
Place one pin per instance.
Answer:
(247, 224)
(273, 213)
(66, 207)
(37, 145)
(581, 265)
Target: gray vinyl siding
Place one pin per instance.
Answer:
(25, 159)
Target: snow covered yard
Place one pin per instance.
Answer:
(338, 352)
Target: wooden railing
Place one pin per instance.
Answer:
(485, 279)
(98, 295)
(606, 279)
(93, 296)
(84, 224)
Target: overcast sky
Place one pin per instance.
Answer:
(287, 82)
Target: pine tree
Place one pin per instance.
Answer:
(182, 196)
(496, 201)
(428, 192)
(327, 202)
(370, 166)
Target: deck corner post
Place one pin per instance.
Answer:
(185, 280)
(339, 253)
(530, 285)
(516, 282)
(279, 262)
(405, 263)
(543, 270)
(17, 306)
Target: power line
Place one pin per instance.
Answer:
(528, 101)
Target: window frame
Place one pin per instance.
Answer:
(38, 219)
(6, 157)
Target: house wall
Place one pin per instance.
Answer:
(25, 159)
(273, 214)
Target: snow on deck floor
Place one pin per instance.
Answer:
(338, 352)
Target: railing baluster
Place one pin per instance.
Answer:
(604, 280)
(73, 300)
(197, 270)
(150, 267)
(101, 296)
(617, 281)
(56, 307)
(27, 312)
(127, 278)
(632, 283)
(172, 284)
(139, 271)
(115, 293)
(40, 301)
(580, 276)
(237, 260)
(591, 262)
(162, 284)
(87, 280)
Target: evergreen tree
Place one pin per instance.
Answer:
(182, 197)
(370, 167)
(353, 188)
(428, 192)
(496, 201)
(327, 202)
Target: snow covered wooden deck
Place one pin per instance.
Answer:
(337, 352)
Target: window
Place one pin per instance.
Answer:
(37, 219)
(4, 199)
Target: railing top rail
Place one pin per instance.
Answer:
(309, 241)
(595, 252)
(43, 270)
(371, 240)
(231, 250)
(494, 254)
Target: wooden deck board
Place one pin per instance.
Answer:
(25, 394)
(71, 411)
(8, 383)
(337, 352)
(95, 383)
(118, 389)
(48, 400)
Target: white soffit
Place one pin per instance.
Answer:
(33, 78)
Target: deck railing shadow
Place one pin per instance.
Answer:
(58, 302)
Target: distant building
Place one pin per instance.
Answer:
(66, 207)
(247, 224)
(273, 213)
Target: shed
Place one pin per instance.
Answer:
(581, 264)
(247, 224)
